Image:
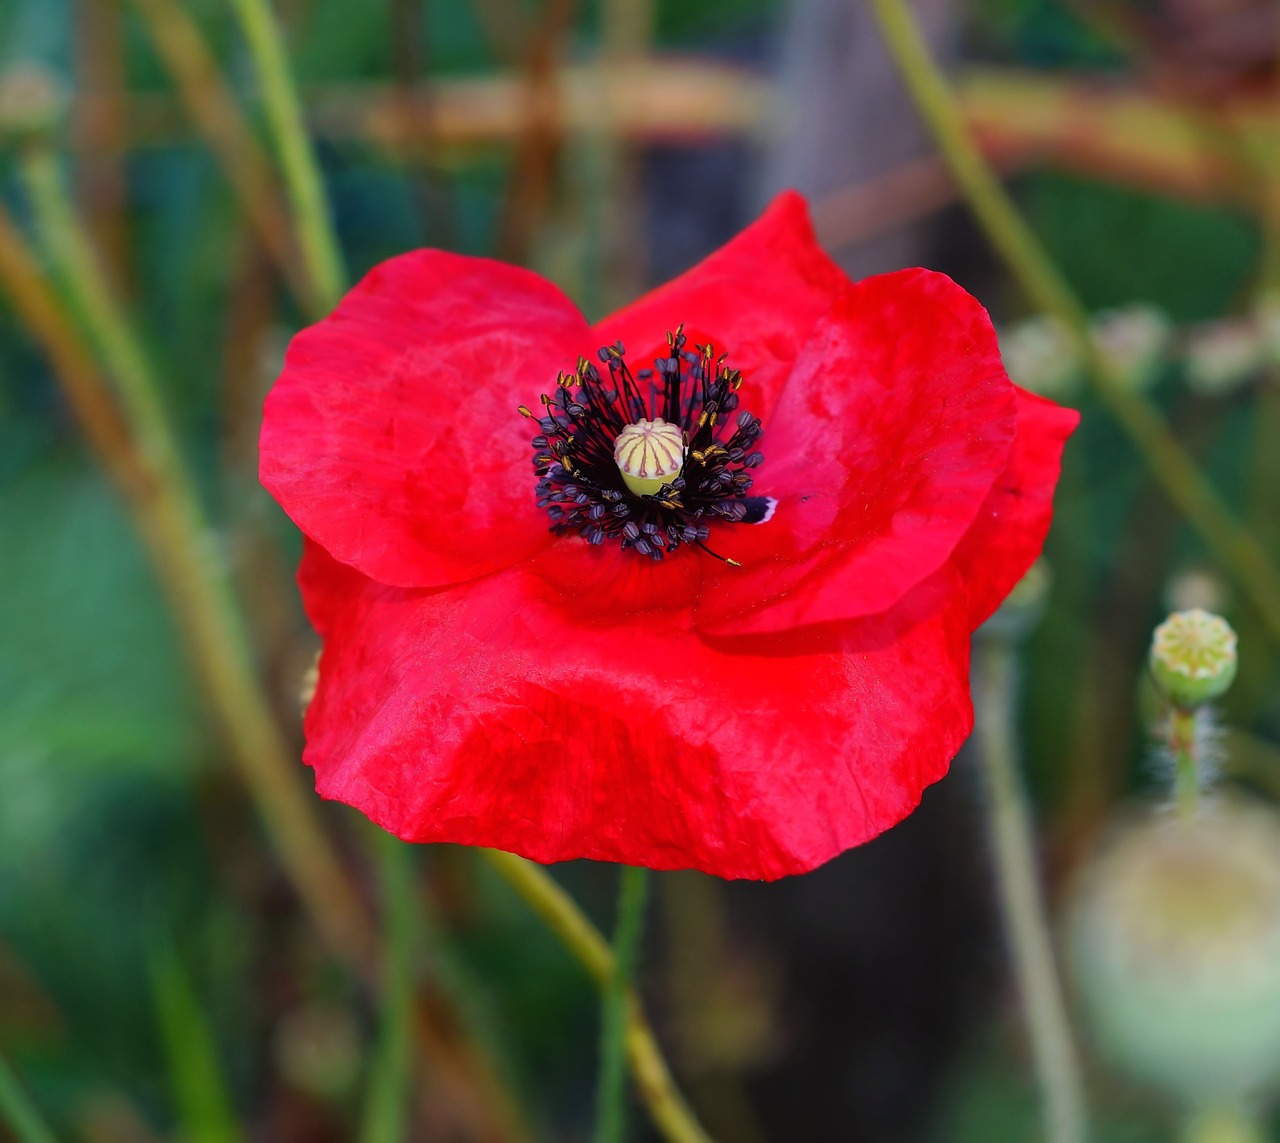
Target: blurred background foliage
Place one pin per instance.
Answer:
(157, 977)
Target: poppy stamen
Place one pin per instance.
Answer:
(649, 459)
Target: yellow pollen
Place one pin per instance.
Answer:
(649, 455)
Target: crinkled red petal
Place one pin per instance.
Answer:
(892, 428)
(477, 714)
(1010, 529)
(392, 436)
(756, 299)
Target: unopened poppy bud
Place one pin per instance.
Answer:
(1193, 657)
(649, 454)
(32, 102)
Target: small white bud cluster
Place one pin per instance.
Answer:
(1221, 356)
(1135, 340)
(1041, 355)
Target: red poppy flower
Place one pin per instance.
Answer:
(746, 652)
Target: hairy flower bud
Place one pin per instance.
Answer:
(1193, 657)
(1174, 935)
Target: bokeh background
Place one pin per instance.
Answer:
(158, 978)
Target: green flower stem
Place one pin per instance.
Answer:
(667, 1108)
(18, 1112)
(22, 279)
(1027, 260)
(1021, 903)
(65, 240)
(183, 546)
(1186, 761)
(297, 156)
(611, 1105)
(191, 63)
(386, 1109)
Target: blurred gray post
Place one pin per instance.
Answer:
(843, 116)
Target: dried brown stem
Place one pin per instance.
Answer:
(539, 142)
(100, 131)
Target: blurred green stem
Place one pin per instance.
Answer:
(667, 1108)
(65, 240)
(301, 171)
(18, 1112)
(611, 1105)
(209, 101)
(385, 1117)
(199, 1086)
(1186, 762)
(1027, 260)
(1022, 906)
(184, 547)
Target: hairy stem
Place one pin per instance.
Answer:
(1186, 759)
(1022, 906)
(667, 1108)
(611, 1106)
(1027, 260)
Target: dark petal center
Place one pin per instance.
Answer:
(580, 483)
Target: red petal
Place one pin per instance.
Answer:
(392, 436)
(1010, 529)
(890, 433)
(478, 715)
(757, 299)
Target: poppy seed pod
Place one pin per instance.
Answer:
(1193, 657)
(1174, 934)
